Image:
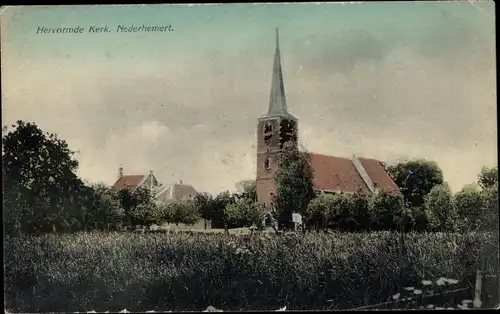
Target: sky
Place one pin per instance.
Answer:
(381, 80)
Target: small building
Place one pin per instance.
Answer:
(181, 191)
(173, 192)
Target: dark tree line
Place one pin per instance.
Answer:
(42, 193)
(426, 202)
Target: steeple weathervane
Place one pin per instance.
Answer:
(277, 100)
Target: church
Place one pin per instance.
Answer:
(331, 174)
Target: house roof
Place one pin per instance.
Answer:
(340, 174)
(127, 182)
(175, 192)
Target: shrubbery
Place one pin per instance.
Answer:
(111, 271)
(42, 193)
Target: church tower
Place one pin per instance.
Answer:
(274, 129)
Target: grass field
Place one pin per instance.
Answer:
(178, 271)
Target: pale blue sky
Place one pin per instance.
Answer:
(383, 80)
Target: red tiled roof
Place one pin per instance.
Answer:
(378, 174)
(339, 174)
(128, 182)
(335, 174)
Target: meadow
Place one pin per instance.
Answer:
(179, 271)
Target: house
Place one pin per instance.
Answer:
(133, 182)
(181, 191)
(176, 191)
(173, 192)
(331, 174)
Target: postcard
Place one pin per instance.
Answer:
(242, 157)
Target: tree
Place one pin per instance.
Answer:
(135, 203)
(489, 197)
(204, 204)
(219, 204)
(488, 177)
(247, 189)
(439, 209)
(40, 184)
(243, 213)
(359, 213)
(386, 211)
(294, 188)
(415, 179)
(468, 203)
(103, 208)
(180, 211)
(319, 210)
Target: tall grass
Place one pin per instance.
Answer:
(112, 271)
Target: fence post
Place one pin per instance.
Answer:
(477, 292)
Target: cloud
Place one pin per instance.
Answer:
(417, 91)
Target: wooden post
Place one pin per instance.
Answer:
(477, 292)
(400, 262)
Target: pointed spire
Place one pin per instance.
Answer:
(277, 39)
(277, 100)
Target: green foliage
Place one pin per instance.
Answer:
(180, 211)
(243, 213)
(415, 179)
(247, 189)
(490, 207)
(488, 177)
(139, 206)
(147, 214)
(319, 210)
(468, 203)
(357, 212)
(102, 208)
(440, 210)
(40, 185)
(204, 204)
(221, 201)
(139, 272)
(293, 184)
(386, 211)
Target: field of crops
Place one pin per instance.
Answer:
(177, 271)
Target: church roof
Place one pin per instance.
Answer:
(277, 99)
(340, 174)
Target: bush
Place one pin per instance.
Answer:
(180, 211)
(243, 213)
(469, 205)
(112, 271)
(439, 209)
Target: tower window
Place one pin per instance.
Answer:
(268, 128)
(267, 163)
(268, 132)
(288, 132)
